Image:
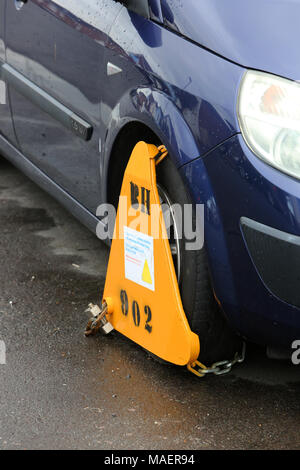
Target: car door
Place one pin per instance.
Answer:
(54, 69)
(6, 126)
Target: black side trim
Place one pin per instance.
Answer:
(47, 103)
(276, 256)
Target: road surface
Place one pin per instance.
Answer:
(60, 390)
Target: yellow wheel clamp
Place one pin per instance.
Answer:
(141, 297)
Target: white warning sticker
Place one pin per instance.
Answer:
(139, 258)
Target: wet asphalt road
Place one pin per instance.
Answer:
(60, 390)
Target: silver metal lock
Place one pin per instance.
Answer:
(99, 320)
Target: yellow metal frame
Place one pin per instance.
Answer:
(152, 317)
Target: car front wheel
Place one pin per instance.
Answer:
(217, 340)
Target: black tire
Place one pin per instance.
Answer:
(217, 340)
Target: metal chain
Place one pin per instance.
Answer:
(218, 368)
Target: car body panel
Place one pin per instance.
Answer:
(18, 159)
(155, 11)
(170, 97)
(6, 124)
(262, 35)
(236, 184)
(62, 53)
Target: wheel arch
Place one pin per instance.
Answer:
(149, 115)
(125, 141)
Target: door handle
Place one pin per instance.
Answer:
(19, 4)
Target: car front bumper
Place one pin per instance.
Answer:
(252, 238)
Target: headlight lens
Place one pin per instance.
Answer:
(269, 116)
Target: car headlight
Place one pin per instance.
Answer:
(269, 117)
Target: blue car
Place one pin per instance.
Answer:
(216, 83)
